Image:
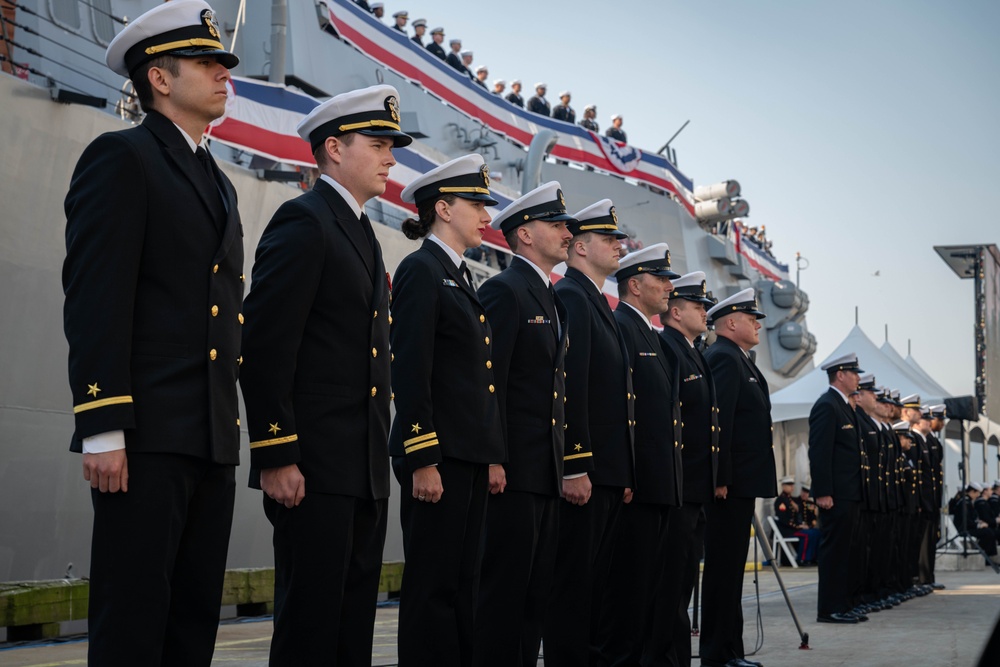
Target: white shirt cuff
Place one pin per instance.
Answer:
(104, 442)
(576, 476)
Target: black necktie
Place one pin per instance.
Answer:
(206, 162)
(465, 272)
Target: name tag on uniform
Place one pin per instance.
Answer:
(448, 282)
(846, 427)
(691, 377)
(539, 319)
(647, 354)
(871, 432)
(753, 379)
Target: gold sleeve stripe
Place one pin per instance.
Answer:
(421, 438)
(577, 456)
(102, 403)
(274, 441)
(416, 448)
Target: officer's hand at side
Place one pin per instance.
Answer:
(825, 502)
(627, 496)
(498, 479)
(284, 485)
(427, 483)
(107, 471)
(577, 490)
(721, 492)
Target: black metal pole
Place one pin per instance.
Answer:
(766, 548)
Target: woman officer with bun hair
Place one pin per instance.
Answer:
(446, 432)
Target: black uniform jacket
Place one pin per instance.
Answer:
(437, 50)
(538, 105)
(154, 285)
(315, 376)
(599, 407)
(457, 63)
(699, 415)
(418, 40)
(888, 470)
(514, 98)
(936, 454)
(921, 456)
(834, 448)
(616, 134)
(563, 112)
(746, 453)
(658, 466)
(442, 369)
(529, 364)
(591, 125)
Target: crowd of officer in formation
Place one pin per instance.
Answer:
(564, 466)
(877, 480)
(461, 59)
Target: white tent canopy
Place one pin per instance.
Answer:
(796, 400)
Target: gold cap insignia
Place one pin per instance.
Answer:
(704, 286)
(614, 215)
(667, 257)
(485, 172)
(392, 106)
(208, 16)
(562, 200)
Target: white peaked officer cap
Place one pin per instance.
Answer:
(467, 177)
(455, 40)
(482, 68)
(744, 301)
(867, 382)
(996, 483)
(788, 480)
(565, 93)
(180, 28)
(546, 202)
(373, 111)
(654, 259)
(615, 116)
(499, 82)
(401, 14)
(939, 411)
(439, 31)
(692, 286)
(515, 82)
(911, 401)
(419, 22)
(466, 54)
(848, 362)
(599, 218)
(541, 84)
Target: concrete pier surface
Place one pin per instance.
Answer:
(945, 628)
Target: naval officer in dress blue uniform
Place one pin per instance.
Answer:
(530, 337)
(316, 385)
(447, 429)
(668, 635)
(643, 291)
(598, 464)
(153, 284)
(746, 472)
(434, 46)
(835, 463)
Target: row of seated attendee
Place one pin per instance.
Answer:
(461, 60)
(976, 513)
(796, 517)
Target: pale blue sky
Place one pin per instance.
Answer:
(863, 133)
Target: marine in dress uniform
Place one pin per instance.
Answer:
(537, 102)
(514, 97)
(835, 464)
(316, 386)
(447, 426)
(589, 115)
(563, 111)
(437, 36)
(530, 338)
(643, 290)
(598, 460)
(400, 18)
(746, 472)
(153, 362)
(615, 131)
(419, 28)
(668, 635)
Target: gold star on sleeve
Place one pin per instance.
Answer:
(577, 447)
(92, 390)
(415, 428)
(274, 428)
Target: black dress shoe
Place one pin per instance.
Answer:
(740, 662)
(837, 618)
(938, 587)
(859, 615)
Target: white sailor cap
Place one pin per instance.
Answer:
(376, 5)
(788, 480)
(541, 84)
(867, 382)
(467, 177)
(565, 93)
(481, 68)
(847, 362)
(653, 259)
(401, 14)
(179, 28)
(911, 401)
(515, 82)
(600, 218)
(466, 54)
(421, 22)
(692, 286)
(373, 111)
(499, 82)
(996, 483)
(615, 116)
(976, 485)
(744, 301)
(546, 202)
(439, 31)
